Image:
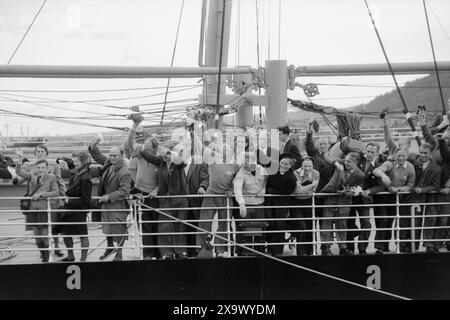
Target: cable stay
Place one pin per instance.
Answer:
(444, 109)
(173, 58)
(26, 33)
(407, 114)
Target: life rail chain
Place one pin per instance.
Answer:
(134, 206)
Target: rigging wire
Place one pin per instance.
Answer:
(92, 112)
(160, 103)
(94, 90)
(173, 58)
(59, 100)
(444, 111)
(411, 123)
(26, 32)
(64, 121)
(55, 107)
(437, 19)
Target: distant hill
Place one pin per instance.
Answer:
(423, 91)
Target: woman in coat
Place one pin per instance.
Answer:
(79, 191)
(42, 185)
(281, 183)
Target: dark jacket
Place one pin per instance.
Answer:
(197, 177)
(338, 181)
(325, 168)
(172, 179)
(291, 147)
(80, 186)
(372, 183)
(428, 179)
(445, 153)
(281, 184)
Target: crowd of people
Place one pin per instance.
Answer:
(272, 182)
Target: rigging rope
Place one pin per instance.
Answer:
(275, 258)
(407, 114)
(444, 111)
(26, 32)
(171, 62)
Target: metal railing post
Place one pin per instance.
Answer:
(413, 230)
(397, 237)
(228, 227)
(313, 205)
(49, 225)
(133, 226)
(141, 247)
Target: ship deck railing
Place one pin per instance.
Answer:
(135, 210)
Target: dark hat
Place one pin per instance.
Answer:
(288, 155)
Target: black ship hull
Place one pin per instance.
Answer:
(415, 276)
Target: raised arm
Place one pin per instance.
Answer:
(309, 145)
(388, 137)
(97, 154)
(151, 158)
(21, 172)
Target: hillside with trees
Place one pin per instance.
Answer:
(423, 91)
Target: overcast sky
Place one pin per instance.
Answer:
(142, 33)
